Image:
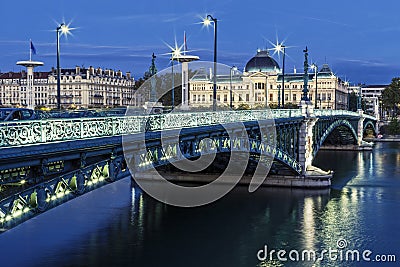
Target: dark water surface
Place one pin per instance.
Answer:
(118, 225)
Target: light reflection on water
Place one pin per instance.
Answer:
(121, 226)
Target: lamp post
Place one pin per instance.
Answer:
(233, 68)
(175, 54)
(173, 84)
(348, 98)
(63, 29)
(280, 48)
(207, 21)
(279, 95)
(58, 67)
(283, 76)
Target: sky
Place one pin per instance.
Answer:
(358, 39)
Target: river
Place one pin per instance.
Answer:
(119, 225)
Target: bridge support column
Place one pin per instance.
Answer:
(362, 145)
(306, 135)
(360, 128)
(306, 148)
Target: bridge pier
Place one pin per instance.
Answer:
(360, 128)
(362, 145)
(306, 144)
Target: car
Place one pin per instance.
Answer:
(12, 114)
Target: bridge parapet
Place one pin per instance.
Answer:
(17, 133)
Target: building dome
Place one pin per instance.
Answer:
(262, 62)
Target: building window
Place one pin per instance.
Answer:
(294, 97)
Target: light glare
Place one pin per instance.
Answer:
(206, 22)
(65, 29)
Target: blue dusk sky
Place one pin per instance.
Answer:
(358, 39)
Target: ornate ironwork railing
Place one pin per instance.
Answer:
(17, 133)
(334, 112)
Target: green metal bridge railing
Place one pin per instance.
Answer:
(18, 133)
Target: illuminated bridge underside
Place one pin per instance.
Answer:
(46, 163)
(160, 156)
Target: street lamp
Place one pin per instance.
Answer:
(175, 54)
(207, 22)
(173, 84)
(315, 67)
(280, 48)
(63, 29)
(283, 76)
(279, 95)
(233, 68)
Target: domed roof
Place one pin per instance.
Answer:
(262, 62)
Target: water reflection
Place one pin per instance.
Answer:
(361, 207)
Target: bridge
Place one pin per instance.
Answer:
(45, 163)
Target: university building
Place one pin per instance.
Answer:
(80, 87)
(260, 84)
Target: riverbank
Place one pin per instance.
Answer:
(385, 138)
(346, 148)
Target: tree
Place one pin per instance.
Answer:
(394, 127)
(391, 96)
(353, 101)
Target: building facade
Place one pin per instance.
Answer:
(261, 83)
(79, 87)
(372, 97)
